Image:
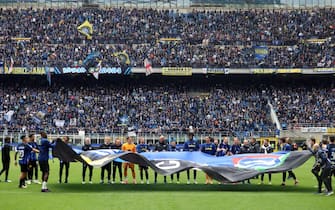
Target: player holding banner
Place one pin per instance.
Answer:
(173, 148)
(161, 146)
(266, 149)
(117, 165)
(143, 147)
(130, 147)
(87, 146)
(64, 164)
(43, 160)
(210, 149)
(223, 148)
(287, 146)
(108, 167)
(192, 146)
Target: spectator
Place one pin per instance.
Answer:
(199, 39)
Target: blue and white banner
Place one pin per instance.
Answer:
(103, 70)
(224, 169)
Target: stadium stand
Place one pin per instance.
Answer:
(289, 38)
(234, 106)
(49, 37)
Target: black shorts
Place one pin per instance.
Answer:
(44, 166)
(117, 163)
(24, 168)
(143, 167)
(32, 164)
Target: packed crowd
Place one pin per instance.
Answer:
(162, 109)
(153, 106)
(199, 38)
(299, 106)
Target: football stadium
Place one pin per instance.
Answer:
(167, 104)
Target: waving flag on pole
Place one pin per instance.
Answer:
(224, 169)
(122, 57)
(92, 64)
(86, 28)
(8, 115)
(97, 70)
(148, 67)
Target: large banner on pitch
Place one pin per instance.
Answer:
(224, 169)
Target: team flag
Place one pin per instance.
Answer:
(148, 67)
(261, 52)
(86, 28)
(92, 64)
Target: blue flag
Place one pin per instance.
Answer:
(261, 52)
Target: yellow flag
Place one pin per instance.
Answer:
(86, 28)
(123, 57)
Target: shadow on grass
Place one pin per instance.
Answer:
(94, 188)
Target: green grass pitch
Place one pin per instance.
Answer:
(75, 195)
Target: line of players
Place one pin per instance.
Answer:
(211, 147)
(26, 156)
(191, 145)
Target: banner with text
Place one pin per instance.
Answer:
(217, 70)
(177, 71)
(103, 70)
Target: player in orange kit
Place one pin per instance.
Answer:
(130, 147)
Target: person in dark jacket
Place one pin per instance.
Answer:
(286, 145)
(236, 147)
(65, 164)
(173, 148)
(208, 148)
(5, 157)
(323, 162)
(191, 145)
(87, 146)
(266, 149)
(108, 167)
(161, 146)
(117, 165)
(245, 149)
(254, 146)
(143, 147)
